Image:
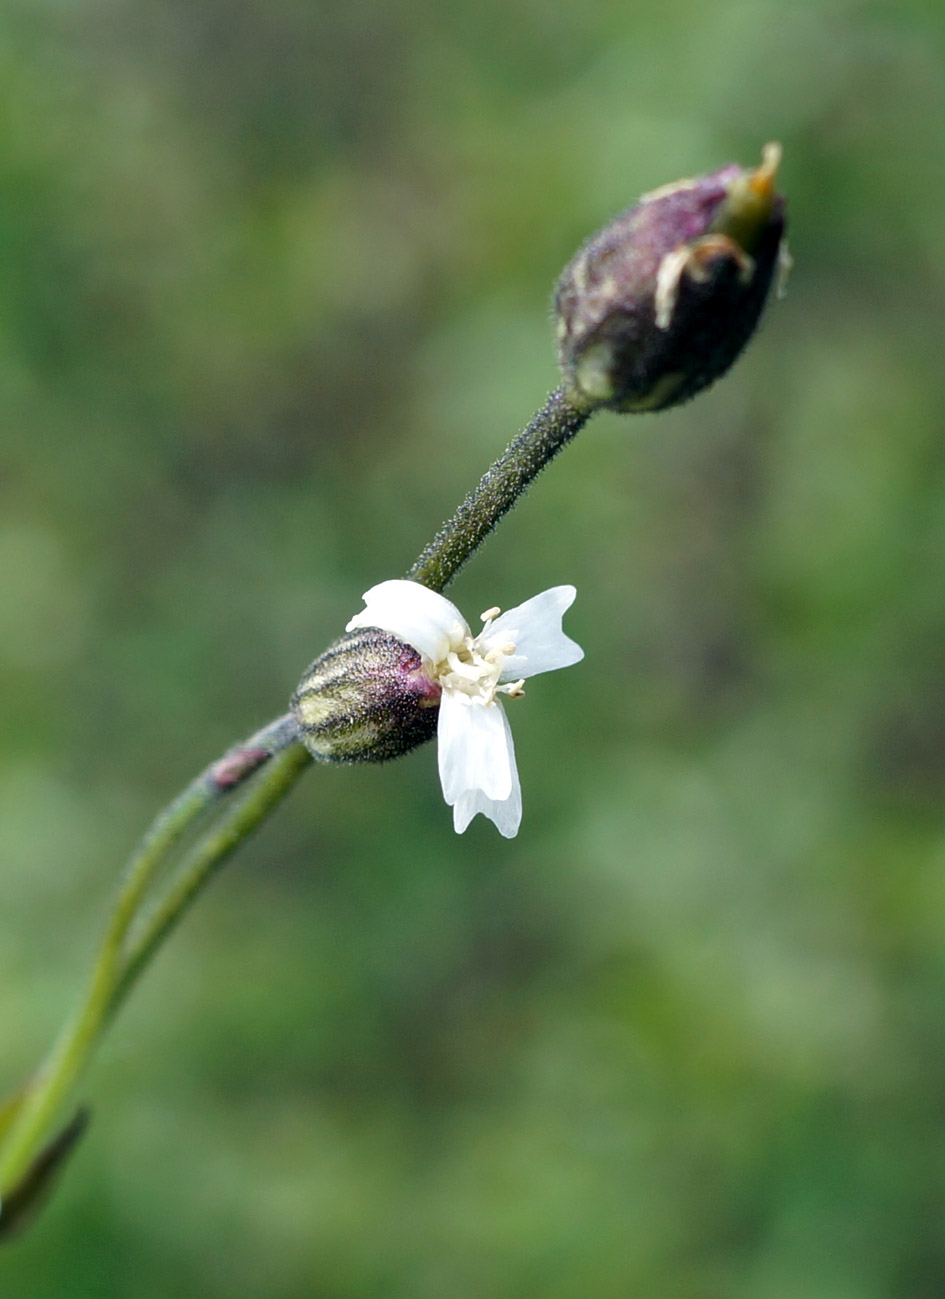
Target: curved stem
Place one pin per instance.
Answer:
(74, 1043)
(202, 863)
(122, 958)
(501, 485)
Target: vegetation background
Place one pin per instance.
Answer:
(273, 292)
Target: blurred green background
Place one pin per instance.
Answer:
(273, 292)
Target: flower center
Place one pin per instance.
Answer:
(474, 667)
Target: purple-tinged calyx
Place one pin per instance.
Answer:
(660, 303)
(366, 699)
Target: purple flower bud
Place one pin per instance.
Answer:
(366, 699)
(659, 303)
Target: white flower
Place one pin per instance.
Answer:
(475, 750)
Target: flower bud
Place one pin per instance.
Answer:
(659, 303)
(366, 699)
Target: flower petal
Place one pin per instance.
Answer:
(506, 813)
(506, 816)
(427, 621)
(535, 629)
(474, 747)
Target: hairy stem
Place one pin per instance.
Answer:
(70, 1051)
(551, 429)
(202, 863)
(125, 951)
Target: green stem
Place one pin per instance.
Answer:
(123, 955)
(551, 429)
(75, 1042)
(202, 863)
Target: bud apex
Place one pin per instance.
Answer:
(659, 303)
(366, 699)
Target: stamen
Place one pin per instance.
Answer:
(490, 614)
(468, 670)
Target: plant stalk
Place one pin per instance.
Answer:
(125, 951)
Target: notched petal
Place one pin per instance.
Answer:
(535, 629)
(474, 747)
(504, 813)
